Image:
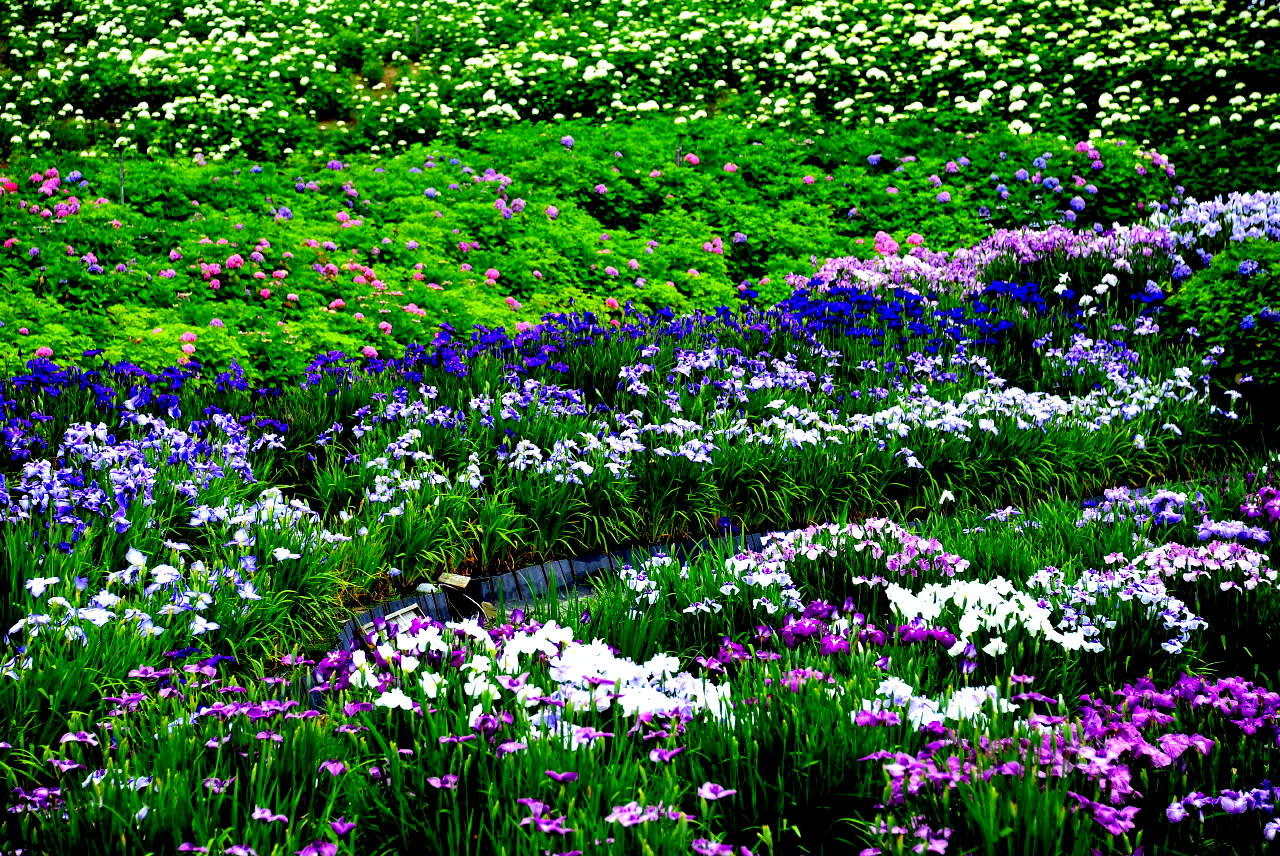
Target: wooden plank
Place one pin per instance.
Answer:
(522, 591)
(561, 573)
(430, 604)
(540, 571)
(588, 566)
(505, 589)
(532, 582)
(483, 589)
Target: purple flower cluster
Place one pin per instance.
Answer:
(1106, 744)
(1162, 507)
(961, 272)
(1264, 799)
(1264, 503)
(1088, 604)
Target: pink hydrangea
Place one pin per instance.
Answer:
(692, 159)
(885, 244)
(513, 304)
(731, 167)
(44, 351)
(915, 239)
(187, 337)
(369, 351)
(611, 302)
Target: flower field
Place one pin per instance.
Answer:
(950, 335)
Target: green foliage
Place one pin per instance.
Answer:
(1226, 303)
(787, 203)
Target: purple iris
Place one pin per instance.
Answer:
(663, 756)
(562, 778)
(712, 791)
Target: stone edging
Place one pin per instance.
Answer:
(523, 587)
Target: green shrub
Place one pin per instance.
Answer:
(667, 203)
(1226, 303)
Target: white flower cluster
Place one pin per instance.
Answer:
(150, 599)
(222, 81)
(583, 677)
(963, 704)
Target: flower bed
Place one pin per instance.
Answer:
(931, 652)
